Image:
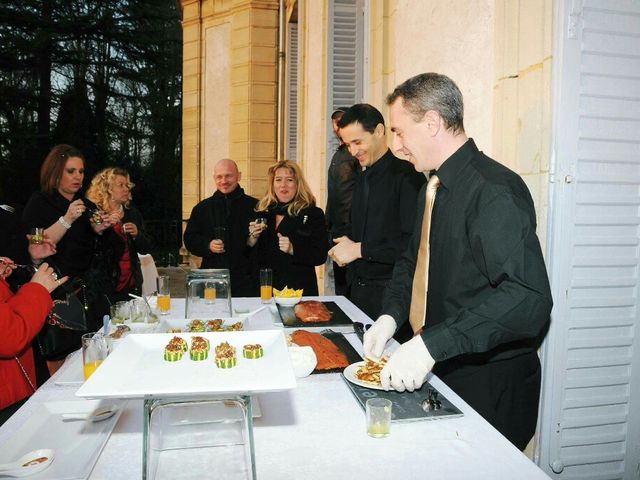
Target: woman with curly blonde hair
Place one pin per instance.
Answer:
(110, 190)
(294, 239)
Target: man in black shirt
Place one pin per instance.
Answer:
(218, 230)
(383, 209)
(488, 300)
(341, 180)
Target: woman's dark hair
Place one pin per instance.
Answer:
(53, 165)
(366, 115)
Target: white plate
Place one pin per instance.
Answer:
(140, 327)
(77, 444)
(137, 368)
(350, 374)
(181, 323)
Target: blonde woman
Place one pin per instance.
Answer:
(294, 239)
(110, 190)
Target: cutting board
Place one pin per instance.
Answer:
(339, 318)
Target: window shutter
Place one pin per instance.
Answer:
(346, 59)
(292, 92)
(590, 417)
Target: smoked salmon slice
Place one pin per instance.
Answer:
(329, 356)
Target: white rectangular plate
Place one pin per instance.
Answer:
(167, 323)
(77, 444)
(137, 368)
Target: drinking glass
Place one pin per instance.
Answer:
(266, 285)
(164, 295)
(378, 413)
(219, 233)
(95, 348)
(96, 216)
(261, 222)
(210, 293)
(119, 312)
(37, 236)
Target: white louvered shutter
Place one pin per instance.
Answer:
(590, 417)
(292, 92)
(346, 60)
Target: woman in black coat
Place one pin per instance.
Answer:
(60, 209)
(110, 190)
(293, 242)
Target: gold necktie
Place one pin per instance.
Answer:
(418, 310)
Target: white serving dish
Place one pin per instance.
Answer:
(304, 360)
(181, 323)
(287, 301)
(77, 444)
(137, 368)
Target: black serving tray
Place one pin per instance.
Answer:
(345, 347)
(407, 406)
(289, 319)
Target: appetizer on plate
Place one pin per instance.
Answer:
(234, 327)
(196, 326)
(252, 351)
(120, 331)
(226, 356)
(370, 371)
(214, 325)
(175, 349)
(199, 349)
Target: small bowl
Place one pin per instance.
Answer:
(287, 301)
(303, 361)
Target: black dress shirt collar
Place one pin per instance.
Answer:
(448, 171)
(381, 165)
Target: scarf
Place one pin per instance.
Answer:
(222, 204)
(279, 208)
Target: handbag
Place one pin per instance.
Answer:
(65, 324)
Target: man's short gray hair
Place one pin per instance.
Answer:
(432, 91)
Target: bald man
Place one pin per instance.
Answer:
(218, 229)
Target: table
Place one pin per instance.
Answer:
(317, 431)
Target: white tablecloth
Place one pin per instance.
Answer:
(317, 431)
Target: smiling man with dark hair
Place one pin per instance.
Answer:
(382, 212)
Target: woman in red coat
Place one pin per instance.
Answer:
(21, 318)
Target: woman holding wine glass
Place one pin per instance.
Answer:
(59, 208)
(110, 190)
(294, 240)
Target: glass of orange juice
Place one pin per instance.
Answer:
(210, 292)
(266, 285)
(164, 295)
(95, 348)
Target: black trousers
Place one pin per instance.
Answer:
(340, 280)
(505, 392)
(367, 296)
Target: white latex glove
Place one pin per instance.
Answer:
(408, 367)
(377, 337)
